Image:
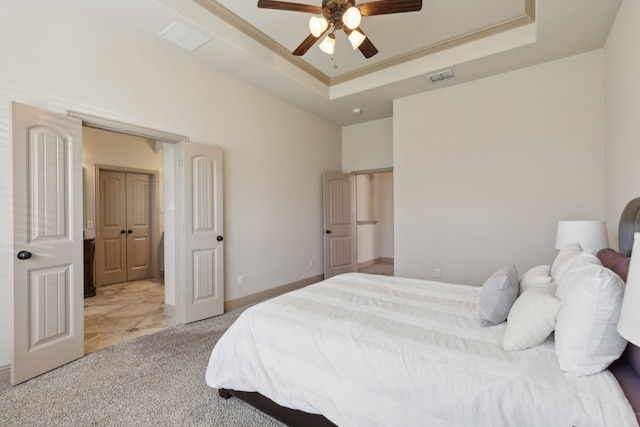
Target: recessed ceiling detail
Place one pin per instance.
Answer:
(400, 38)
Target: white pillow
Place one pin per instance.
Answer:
(563, 259)
(586, 337)
(538, 276)
(531, 320)
(497, 296)
(578, 262)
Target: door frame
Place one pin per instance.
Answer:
(155, 210)
(171, 182)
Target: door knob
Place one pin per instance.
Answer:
(129, 231)
(122, 231)
(328, 231)
(24, 255)
(219, 238)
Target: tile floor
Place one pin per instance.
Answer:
(124, 311)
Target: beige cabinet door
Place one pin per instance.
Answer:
(125, 227)
(138, 226)
(339, 222)
(112, 241)
(48, 292)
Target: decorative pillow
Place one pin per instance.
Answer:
(576, 265)
(538, 276)
(497, 296)
(563, 259)
(586, 337)
(531, 319)
(632, 355)
(615, 261)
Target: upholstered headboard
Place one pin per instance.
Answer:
(627, 368)
(629, 224)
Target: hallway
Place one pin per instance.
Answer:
(124, 311)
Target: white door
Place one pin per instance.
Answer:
(339, 221)
(48, 285)
(204, 257)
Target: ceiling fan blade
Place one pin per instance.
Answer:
(384, 7)
(283, 5)
(366, 47)
(306, 45)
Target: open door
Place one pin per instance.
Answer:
(339, 222)
(48, 295)
(203, 239)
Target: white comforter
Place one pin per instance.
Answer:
(367, 350)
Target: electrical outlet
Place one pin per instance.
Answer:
(240, 279)
(89, 224)
(436, 273)
(311, 263)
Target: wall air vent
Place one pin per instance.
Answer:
(442, 75)
(183, 36)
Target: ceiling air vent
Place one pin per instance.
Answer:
(183, 36)
(442, 75)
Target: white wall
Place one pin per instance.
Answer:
(367, 146)
(274, 152)
(384, 210)
(622, 114)
(484, 170)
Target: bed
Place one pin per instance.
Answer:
(364, 350)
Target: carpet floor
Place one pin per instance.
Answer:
(154, 380)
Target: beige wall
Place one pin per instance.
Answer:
(484, 170)
(622, 114)
(115, 149)
(274, 152)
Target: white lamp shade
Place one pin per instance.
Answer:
(352, 18)
(356, 38)
(318, 25)
(629, 322)
(592, 235)
(328, 44)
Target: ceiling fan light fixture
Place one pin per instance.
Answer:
(318, 25)
(356, 38)
(352, 18)
(328, 44)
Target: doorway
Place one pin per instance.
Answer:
(374, 219)
(122, 200)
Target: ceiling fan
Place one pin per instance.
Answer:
(341, 15)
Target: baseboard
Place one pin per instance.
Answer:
(380, 260)
(5, 373)
(170, 311)
(270, 293)
(364, 264)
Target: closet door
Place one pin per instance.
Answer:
(125, 227)
(113, 227)
(138, 226)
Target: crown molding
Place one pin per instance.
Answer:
(240, 24)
